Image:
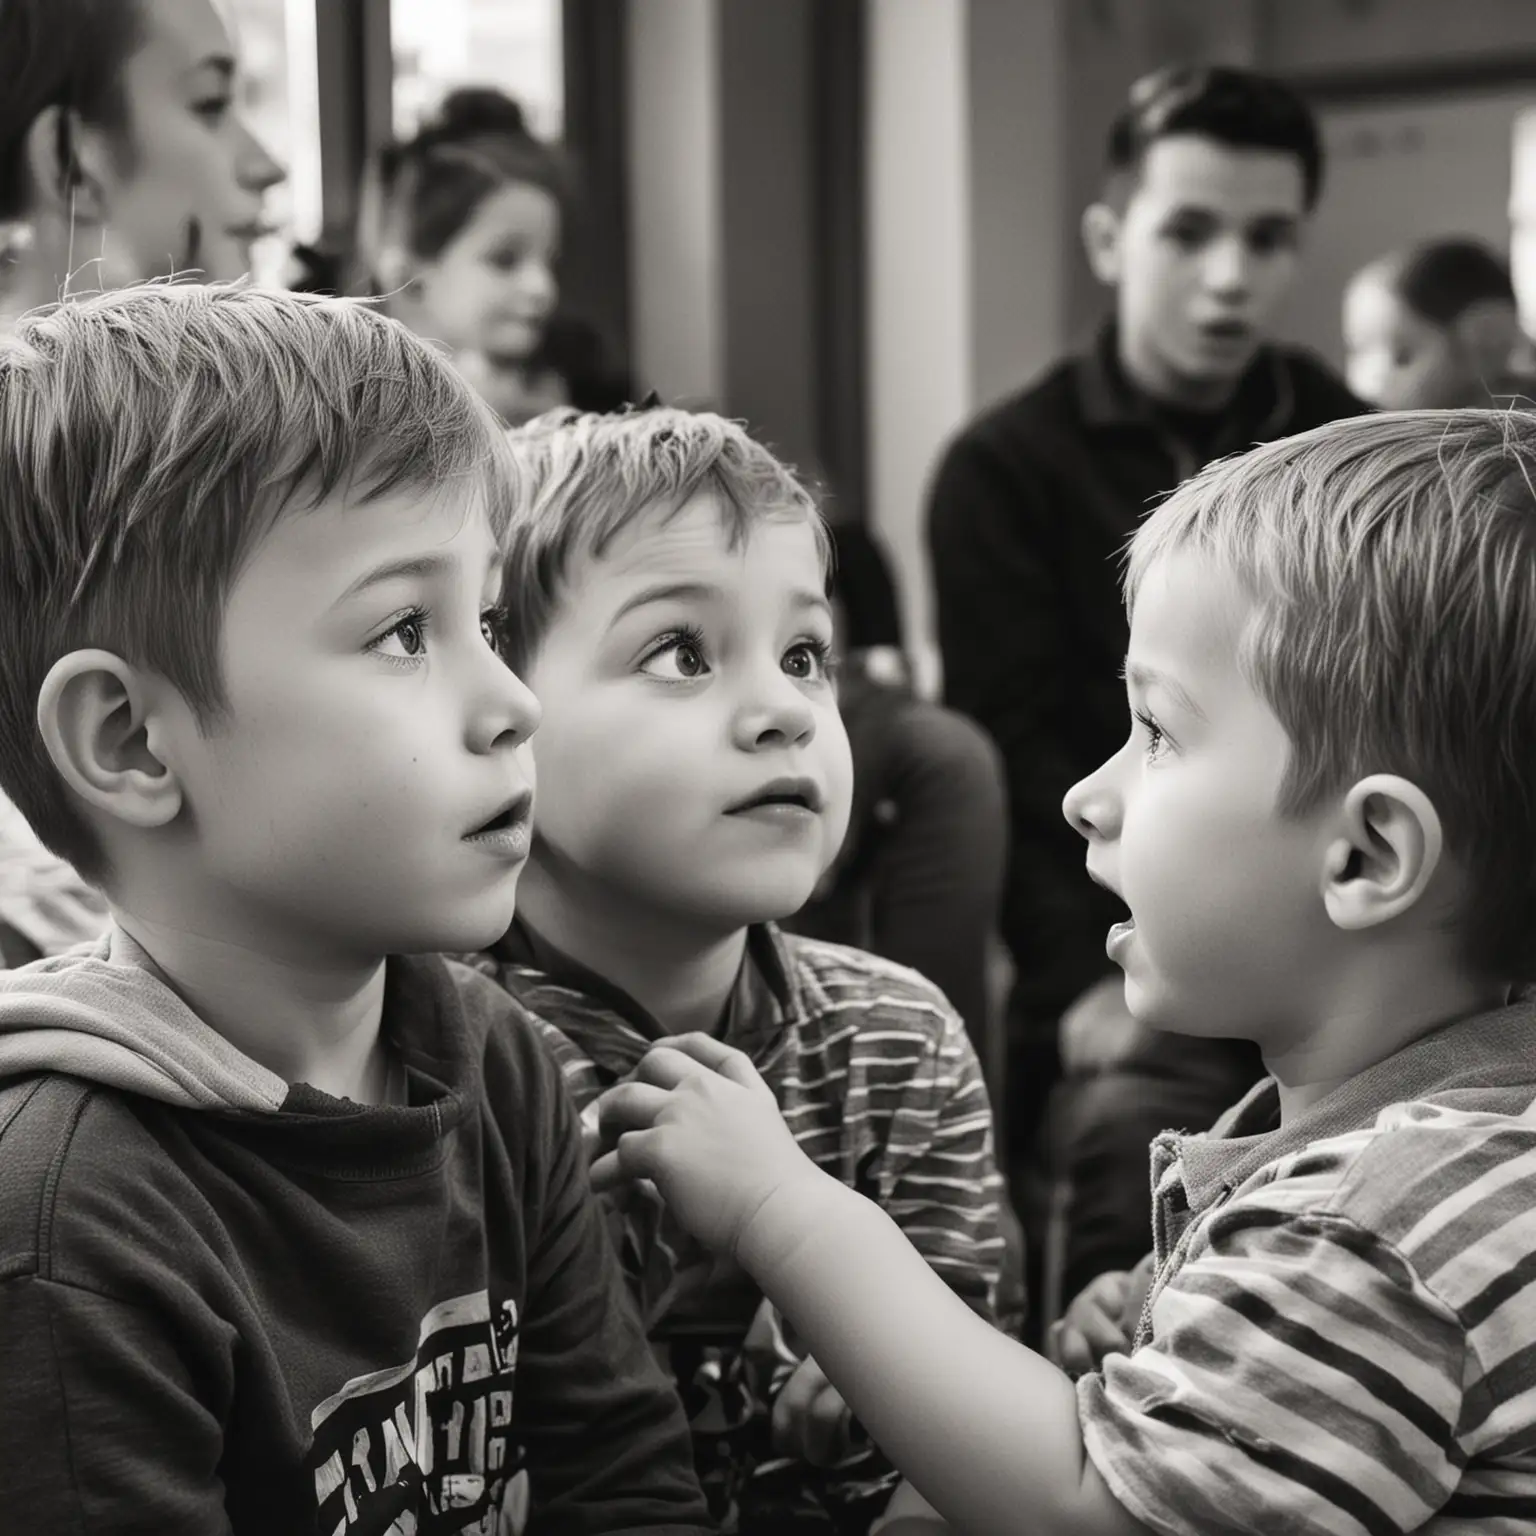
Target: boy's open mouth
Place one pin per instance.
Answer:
(511, 815)
(802, 794)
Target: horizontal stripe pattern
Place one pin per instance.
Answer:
(1345, 1345)
(879, 1084)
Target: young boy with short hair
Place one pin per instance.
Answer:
(293, 1237)
(1323, 828)
(667, 578)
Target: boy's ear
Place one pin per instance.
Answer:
(62, 157)
(1387, 851)
(1101, 242)
(102, 724)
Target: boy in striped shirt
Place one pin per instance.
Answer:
(666, 583)
(1324, 828)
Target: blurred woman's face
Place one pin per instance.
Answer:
(492, 288)
(183, 188)
(1397, 360)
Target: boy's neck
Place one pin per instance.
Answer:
(304, 1020)
(1384, 1004)
(681, 976)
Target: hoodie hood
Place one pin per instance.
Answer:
(100, 1012)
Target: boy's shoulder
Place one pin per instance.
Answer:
(1458, 1151)
(1439, 1183)
(77, 1156)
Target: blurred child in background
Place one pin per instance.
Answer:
(1435, 327)
(461, 235)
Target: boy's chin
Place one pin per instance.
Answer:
(459, 934)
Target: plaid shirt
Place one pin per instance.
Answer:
(878, 1081)
(1340, 1337)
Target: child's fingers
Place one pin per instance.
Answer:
(810, 1418)
(714, 1054)
(1067, 1348)
(664, 1066)
(1081, 1340)
(629, 1161)
(631, 1106)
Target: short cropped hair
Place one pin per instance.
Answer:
(149, 438)
(1441, 280)
(1235, 107)
(583, 478)
(1391, 565)
(67, 53)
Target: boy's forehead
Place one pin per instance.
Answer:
(1188, 616)
(1189, 169)
(331, 547)
(700, 539)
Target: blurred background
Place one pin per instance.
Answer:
(855, 222)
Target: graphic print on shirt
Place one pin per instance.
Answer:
(426, 1448)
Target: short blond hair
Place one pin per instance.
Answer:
(1391, 564)
(583, 478)
(149, 438)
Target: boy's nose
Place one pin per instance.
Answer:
(779, 715)
(1092, 808)
(508, 712)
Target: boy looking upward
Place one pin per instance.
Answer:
(667, 580)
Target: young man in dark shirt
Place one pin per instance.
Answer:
(1212, 174)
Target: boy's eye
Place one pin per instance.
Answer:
(493, 626)
(808, 660)
(678, 657)
(404, 640)
(213, 108)
(1156, 737)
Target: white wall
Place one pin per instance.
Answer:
(674, 187)
(919, 316)
(1022, 229)
(1398, 173)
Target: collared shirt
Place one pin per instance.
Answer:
(880, 1085)
(1340, 1337)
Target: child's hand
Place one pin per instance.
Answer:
(699, 1120)
(1091, 1327)
(810, 1419)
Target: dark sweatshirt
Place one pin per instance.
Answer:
(231, 1305)
(1029, 511)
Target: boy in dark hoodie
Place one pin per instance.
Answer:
(293, 1236)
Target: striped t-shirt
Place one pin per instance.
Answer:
(1340, 1337)
(878, 1081)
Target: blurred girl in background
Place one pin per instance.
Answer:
(460, 235)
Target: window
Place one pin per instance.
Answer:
(276, 43)
(513, 45)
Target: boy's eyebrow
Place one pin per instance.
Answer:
(702, 591)
(1149, 677)
(409, 565)
(665, 591)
